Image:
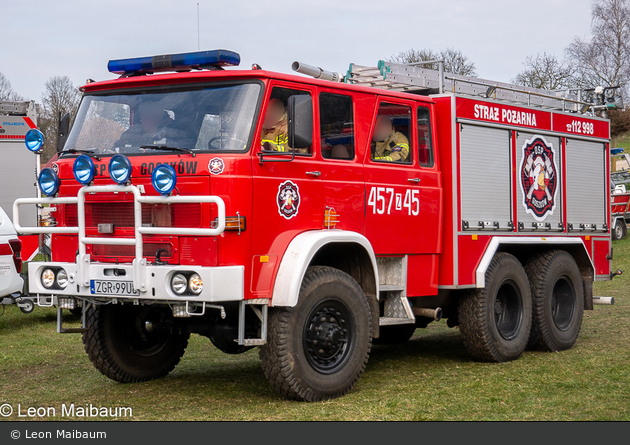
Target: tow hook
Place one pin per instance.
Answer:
(614, 274)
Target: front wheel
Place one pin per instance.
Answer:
(133, 343)
(495, 321)
(318, 349)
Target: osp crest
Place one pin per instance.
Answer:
(538, 177)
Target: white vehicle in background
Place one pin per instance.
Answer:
(11, 283)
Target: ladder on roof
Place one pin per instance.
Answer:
(413, 78)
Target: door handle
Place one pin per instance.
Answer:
(316, 174)
(414, 180)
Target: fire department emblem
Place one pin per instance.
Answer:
(288, 199)
(216, 166)
(539, 179)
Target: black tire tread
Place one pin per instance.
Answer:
(101, 357)
(275, 357)
(474, 321)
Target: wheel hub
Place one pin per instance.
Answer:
(563, 303)
(327, 338)
(508, 310)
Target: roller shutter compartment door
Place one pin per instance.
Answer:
(586, 185)
(485, 177)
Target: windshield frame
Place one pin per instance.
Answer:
(174, 88)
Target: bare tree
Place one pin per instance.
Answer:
(455, 61)
(546, 72)
(605, 58)
(6, 91)
(60, 97)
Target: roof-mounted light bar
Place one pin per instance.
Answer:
(175, 62)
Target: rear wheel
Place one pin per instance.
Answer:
(133, 343)
(618, 230)
(558, 300)
(495, 321)
(318, 349)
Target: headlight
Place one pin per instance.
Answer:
(195, 284)
(164, 179)
(34, 140)
(48, 278)
(48, 182)
(84, 169)
(120, 169)
(179, 283)
(62, 278)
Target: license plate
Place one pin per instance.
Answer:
(108, 287)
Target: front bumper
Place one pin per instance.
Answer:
(220, 284)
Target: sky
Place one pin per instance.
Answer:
(76, 38)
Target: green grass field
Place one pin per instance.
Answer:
(429, 378)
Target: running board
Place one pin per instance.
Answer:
(62, 330)
(261, 313)
(392, 274)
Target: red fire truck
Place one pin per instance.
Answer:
(171, 216)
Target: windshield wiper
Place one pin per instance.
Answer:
(85, 152)
(166, 147)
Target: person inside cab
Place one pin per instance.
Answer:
(387, 144)
(149, 130)
(274, 132)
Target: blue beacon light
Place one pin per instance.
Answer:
(34, 140)
(120, 169)
(175, 62)
(84, 169)
(164, 179)
(49, 182)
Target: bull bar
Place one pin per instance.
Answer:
(225, 283)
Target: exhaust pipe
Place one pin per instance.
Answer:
(317, 73)
(435, 314)
(604, 300)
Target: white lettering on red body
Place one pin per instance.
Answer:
(487, 113)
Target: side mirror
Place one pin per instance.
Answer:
(64, 128)
(300, 125)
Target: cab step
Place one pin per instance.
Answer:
(392, 274)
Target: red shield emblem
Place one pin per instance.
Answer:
(288, 199)
(538, 177)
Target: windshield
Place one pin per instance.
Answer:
(215, 118)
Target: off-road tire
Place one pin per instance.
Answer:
(111, 330)
(557, 300)
(395, 334)
(495, 321)
(292, 365)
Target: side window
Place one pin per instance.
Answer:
(391, 138)
(275, 135)
(425, 143)
(336, 126)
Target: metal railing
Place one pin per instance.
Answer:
(139, 261)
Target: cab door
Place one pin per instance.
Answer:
(287, 199)
(403, 197)
(342, 170)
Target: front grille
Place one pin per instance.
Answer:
(120, 214)
(149, 250)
